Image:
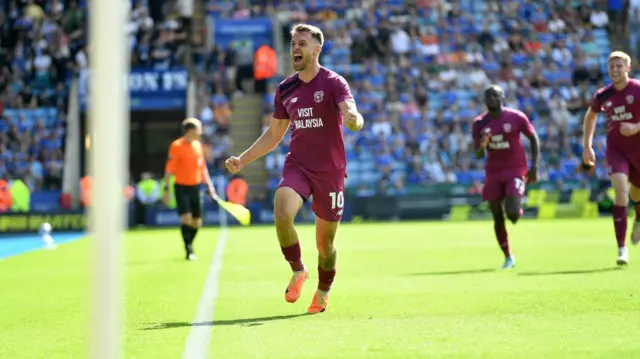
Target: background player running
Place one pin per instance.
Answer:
(620, 102)
(498, 131)
(315, 101)
(187, 163)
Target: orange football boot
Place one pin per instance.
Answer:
(319, 302)
(294, 289)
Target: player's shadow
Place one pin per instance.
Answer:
(456, 272)
(245, 322)
(576, 271)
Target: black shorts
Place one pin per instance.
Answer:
(189, 200)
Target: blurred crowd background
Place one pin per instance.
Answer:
(416, 68)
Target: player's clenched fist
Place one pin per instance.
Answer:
(588, 156)
(353, 120)
(233, 164)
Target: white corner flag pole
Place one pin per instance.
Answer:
(108, 119)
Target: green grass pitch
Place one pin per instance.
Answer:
(403, 290)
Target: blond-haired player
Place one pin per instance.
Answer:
(620, 102)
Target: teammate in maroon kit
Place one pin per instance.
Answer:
(620, 102)
(498, 132)
(315, 101)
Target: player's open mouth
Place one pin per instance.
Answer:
(297, 59)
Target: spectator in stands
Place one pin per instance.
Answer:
(634, 31)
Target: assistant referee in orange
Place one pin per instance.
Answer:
(187, 163)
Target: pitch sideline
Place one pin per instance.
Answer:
(199, 339)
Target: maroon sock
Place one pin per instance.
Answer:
(293, 255)
(637, 212)
(325, 278)
(620, 224)
(503, 238)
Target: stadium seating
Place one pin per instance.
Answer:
(417, 76)
(34, 95)
(36, 79)
(416, 69)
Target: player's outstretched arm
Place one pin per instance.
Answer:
(534, 142)
(353, 120)
(589, 129)
(267, 142)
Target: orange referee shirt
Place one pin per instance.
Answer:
(186, 162)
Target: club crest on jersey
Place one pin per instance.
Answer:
(608, 104)
(318, 96)
(507, 127)
(629, 99)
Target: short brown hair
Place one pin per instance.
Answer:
(620, 55)
(315, 32)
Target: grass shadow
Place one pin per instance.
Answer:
(577, 271)
(456, 272)
(246, 322)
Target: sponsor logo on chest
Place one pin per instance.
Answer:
(305, 112)
(620, 109)
(306, 119)
(620, 113)
(499, 140)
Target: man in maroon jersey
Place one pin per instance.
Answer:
(498, 132)
(315, 101)
(620, 102)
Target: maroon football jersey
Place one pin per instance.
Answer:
(317, 143)
(619, 107)
(506, 157)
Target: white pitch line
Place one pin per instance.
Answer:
(199, 339)
(197, 346)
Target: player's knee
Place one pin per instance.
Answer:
(282, 216)
(287, 203)
(196, 222)
(326, 248)
(620, 182)
(622, 198)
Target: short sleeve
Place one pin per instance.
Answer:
(279, 112)
(596, 104)
(342, 92)
(526, 126)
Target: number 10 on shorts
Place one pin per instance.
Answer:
(337, 200)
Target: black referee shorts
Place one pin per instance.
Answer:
(189, 200)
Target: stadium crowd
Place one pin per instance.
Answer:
(43, 43)
(418, 73)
